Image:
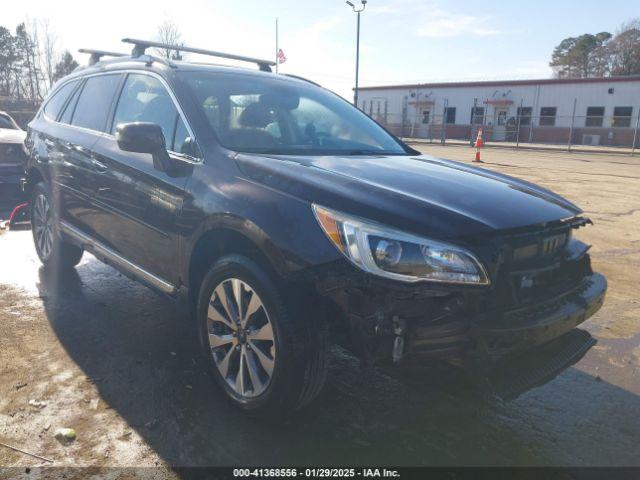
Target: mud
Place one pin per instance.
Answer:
(103, 355)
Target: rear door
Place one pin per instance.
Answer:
(143, 202)
(72, 139)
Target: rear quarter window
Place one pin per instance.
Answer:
(56, 102)
(95, 101)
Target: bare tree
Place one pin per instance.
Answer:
(48, 54)
(169, 34)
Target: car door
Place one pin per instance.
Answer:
(74, 167)
(144, 202)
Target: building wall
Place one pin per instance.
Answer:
(402, 113)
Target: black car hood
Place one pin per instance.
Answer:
(419, 193)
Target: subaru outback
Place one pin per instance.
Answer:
(288, 219)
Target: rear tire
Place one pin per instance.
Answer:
(280, 350)
(52, 250)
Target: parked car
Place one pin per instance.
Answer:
(12, 158)
(288, 219)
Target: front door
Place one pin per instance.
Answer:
(144, 202)
(500, 124)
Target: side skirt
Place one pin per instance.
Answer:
(108, 256)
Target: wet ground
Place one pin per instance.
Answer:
(101, 354)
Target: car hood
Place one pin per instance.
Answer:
(8, 135)
(423, 194)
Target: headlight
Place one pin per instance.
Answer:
(397, 255)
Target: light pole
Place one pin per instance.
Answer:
(357, 9)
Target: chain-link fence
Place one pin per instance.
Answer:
(588, 132)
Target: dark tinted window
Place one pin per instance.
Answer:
(145, 99)
(477, 115)
(450, 116)
(56, 102)
(548, 116)
(524, 114)
(595, 115)
(622, 116)
(94, 102)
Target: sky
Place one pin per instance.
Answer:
(402, 41)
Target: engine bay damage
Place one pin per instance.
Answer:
(542, 288)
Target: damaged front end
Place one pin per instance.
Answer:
(542, 286)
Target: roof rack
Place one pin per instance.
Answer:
(96, 55)
(140, 47)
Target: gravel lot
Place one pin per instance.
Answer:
(101, 354)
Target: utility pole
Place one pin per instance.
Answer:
(277, 49)
(358, 10)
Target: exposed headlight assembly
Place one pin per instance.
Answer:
(397, 255)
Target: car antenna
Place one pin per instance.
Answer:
(140, 47)
(96, 55)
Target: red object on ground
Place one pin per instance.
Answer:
(15, 212)
(479, 140)
(479, 145)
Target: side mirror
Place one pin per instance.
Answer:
(144, 137)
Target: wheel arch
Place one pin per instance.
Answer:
(226, 236)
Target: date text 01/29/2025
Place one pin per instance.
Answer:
(315, 472)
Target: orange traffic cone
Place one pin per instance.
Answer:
(479, 145)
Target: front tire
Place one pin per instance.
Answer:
(263, 352)
(52, 250)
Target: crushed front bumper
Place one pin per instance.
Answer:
(494, 335)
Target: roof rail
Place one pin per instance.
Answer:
(140, 47)
(97, 54)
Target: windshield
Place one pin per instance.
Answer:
(261, 115)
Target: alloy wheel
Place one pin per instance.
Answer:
(241, 337)
(43, 225)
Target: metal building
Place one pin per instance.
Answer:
(594, 111)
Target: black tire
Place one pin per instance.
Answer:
(300, 339)
(59, 254)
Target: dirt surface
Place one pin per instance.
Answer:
(101, 354)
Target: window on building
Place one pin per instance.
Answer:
(548, 116)
(95, 100)
(450, 115)
(55, 104)
(595, 116)
(477, 115)
(524, 114)
(426, 116)
(622, 116)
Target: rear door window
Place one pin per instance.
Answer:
(56, 102)
(145, 99)
(92, 109)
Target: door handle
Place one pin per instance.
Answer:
(81, 149)
(99, 166)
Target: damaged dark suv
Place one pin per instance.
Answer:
(288, 218)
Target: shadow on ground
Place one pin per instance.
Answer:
(138, 350)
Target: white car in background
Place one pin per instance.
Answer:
(11, 136)
(12, 156)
